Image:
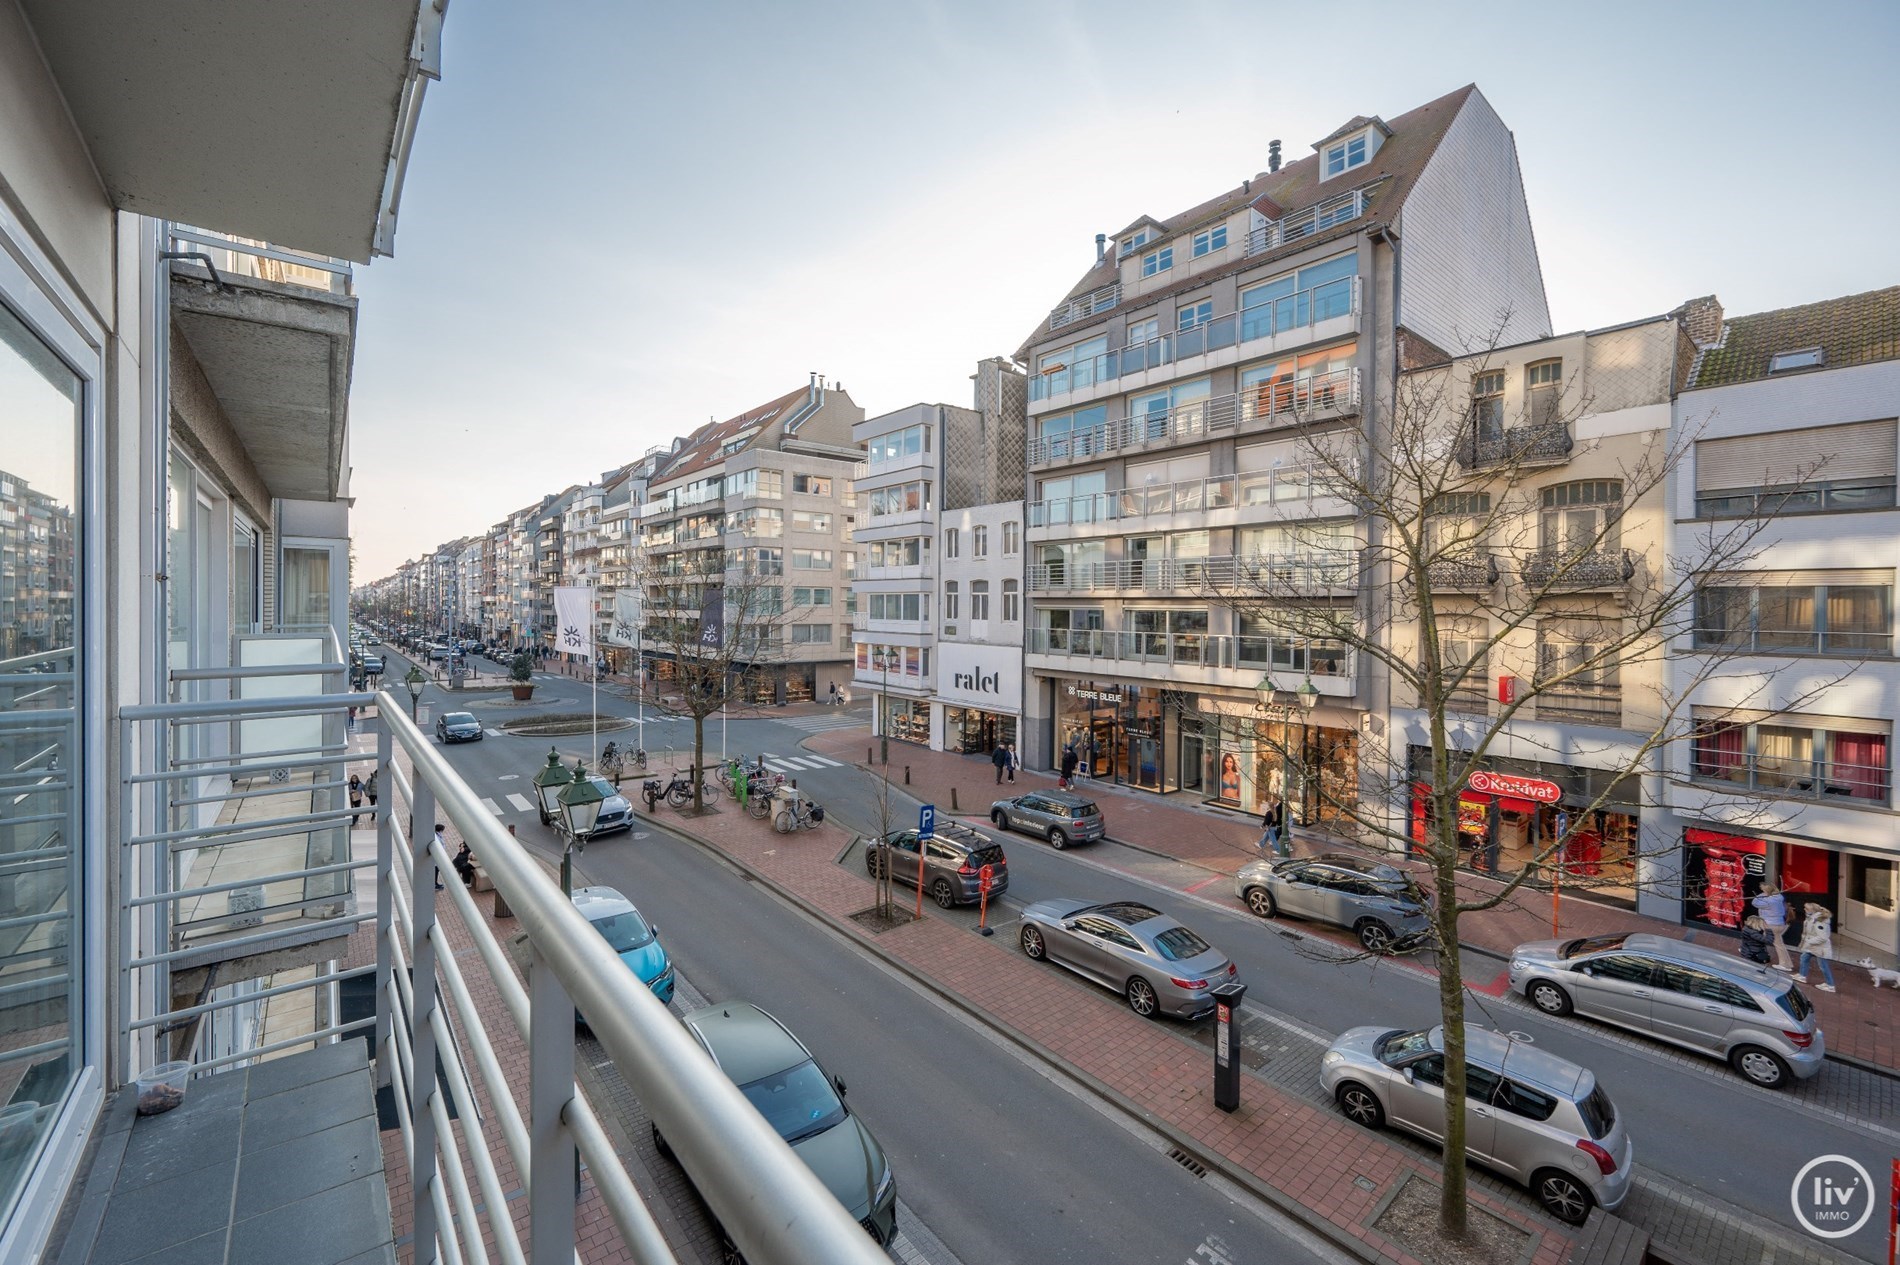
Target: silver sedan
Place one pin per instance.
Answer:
(1160, 966)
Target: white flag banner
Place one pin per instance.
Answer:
(626, 626)
(574, 621)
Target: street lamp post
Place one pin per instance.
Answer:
(415, 681)
(580, 804)
(549, 782)
(881, 660)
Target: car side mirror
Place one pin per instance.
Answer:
(1068, 924)
(1410, 1075)
(654, 927)
(838, 1084)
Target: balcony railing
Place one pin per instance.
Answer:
(1588, 703)
(1292, 486)
(1542, 444)
(428, 1008)
(1323, 659)
(1099, 299)
(247, 257)
(1317, 218)
(1561, 569)
(1299, 311)
(1293, 574)
(1477, 569)
(1795, 777)
(1287, 403)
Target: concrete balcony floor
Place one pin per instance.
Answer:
(278, 1162)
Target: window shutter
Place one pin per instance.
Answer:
(1860, 450)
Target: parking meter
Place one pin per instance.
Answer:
(1227, 1045)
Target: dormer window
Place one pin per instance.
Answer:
(1135, 242)
(1785, 361)
(1207, 241)
(1344, 155)
(1157, 261)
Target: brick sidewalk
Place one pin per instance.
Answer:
(1300, 1155)
(1861, 1022)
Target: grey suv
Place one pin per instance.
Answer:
(953, 868)
(1057, 816)
(1379, 904)
(779, 1076)
(1539, 1119)
(1686, 994)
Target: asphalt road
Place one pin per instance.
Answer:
(1699, 1130)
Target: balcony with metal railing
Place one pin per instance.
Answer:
(1099, 299)
(1307, 316)
(1292, 575)
(492, 1138)
(1468, 570)
(1539, 444)
(1293, 402)
(1199, 657)
(1601, 570)
(1304, 223)
(1582, 702)
(1296, 489)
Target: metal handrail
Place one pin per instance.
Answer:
(1303, 223)
(1325, 659)
(1100, 299)
(1288, 402)
(1313, 571)
(1301, 482)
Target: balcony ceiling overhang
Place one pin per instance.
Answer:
(288, 121)
(278, 358)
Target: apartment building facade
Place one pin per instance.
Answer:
(1789, 672)
(761, 503)
(1170, 395)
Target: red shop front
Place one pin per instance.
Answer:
(1722, 873)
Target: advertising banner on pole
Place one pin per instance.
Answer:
(625, 629)
(574, 621)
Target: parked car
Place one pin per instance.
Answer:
(616, 813)
(372, 640)
(779, 1076)
(1376, 902)
(1686, 994)
(1058, 816)
(1158, 965)
(952, 867)
(1536, 1118)
(458, 727)
(636, 940)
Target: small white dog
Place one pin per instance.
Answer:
(1881, 974)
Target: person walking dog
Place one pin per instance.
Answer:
(1817, 942)
(1772, 907)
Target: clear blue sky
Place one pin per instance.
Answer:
(623, 218)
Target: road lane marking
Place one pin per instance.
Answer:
(829, 764)
(521, 803)
(798, 763)
(491, 805)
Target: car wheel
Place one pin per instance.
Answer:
(1764, 1067)
(1033, 947)
(871, 866)
(1360, 1105)
(1374, 935)
(659, 1143)
(1001, 819)
(1563, 1196)
(728, 1250)
(1261, 902)
(941, 893)
(1141, 998)
(1549, 998)
(1057, 839)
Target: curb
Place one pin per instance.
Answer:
(1335, 1235)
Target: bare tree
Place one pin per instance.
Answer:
(717, 630)
(1479, 575)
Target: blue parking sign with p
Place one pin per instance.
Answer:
(927, 821)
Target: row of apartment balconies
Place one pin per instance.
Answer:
(1319, 573)
(1284, 403)
(1285, 490)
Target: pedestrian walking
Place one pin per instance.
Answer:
(1817, 942)
(1772, 907)
(1755, 939)
(1069, 759)
(369, 792)
(1012, 762)
(442, 841)
(1273, 829)
(1000, 758)
(465, 865)
(832, 697)
(350, 725)
(356, 798)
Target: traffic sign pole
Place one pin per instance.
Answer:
(926, 831)
(983, 908)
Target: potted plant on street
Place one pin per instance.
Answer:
(521, 677)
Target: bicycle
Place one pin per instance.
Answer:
(760, 792)
(800, 812)
(678, 792)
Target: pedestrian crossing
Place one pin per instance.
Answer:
(825, 722)
(521, 803)
(799, 764)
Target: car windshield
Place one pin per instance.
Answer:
(458, 718)
(602, 785)
(1396, 1047)
(798, 1101)
(1085, 810)
(624, 931)
(1596, 944)
(1796, 1003)
(1599, 1114)
(1178, 944)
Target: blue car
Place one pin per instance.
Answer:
(636, 940)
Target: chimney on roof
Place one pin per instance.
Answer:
(1273, 155)
(1701, 320)
(1246, 186)
(1101, 247)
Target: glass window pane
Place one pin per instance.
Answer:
(40, 543)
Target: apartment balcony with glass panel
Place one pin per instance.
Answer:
(1293, 491)
(1195, 658)
(1321, 574)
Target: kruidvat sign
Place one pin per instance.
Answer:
(1535, 789)
(989, 677)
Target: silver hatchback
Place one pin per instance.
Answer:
(1160, 966)
(1686, 994)
(1379, 904)
(1536, 1118)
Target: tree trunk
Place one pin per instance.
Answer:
(1451, 1003)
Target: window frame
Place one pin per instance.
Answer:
(1351, 152)
(1156, 262)
(1209, 240)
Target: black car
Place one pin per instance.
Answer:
(952, 869)
(458, 727)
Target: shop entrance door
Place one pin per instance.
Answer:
(1870, 906)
